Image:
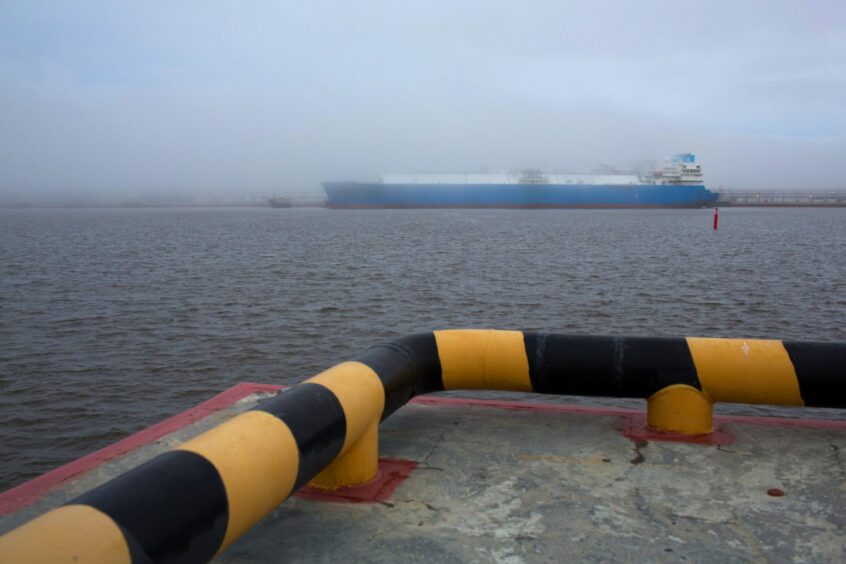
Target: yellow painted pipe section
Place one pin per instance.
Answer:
(358, 465)
(680, 409)
(483, 359)
(361, 394)
(72, 533)
(745, 371)
(257, 458)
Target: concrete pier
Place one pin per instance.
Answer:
(522, 481)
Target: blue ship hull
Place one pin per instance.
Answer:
(378, 195)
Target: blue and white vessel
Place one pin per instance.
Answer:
(676, 183)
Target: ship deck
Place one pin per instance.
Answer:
(514, 480)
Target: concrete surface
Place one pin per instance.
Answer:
(540, 486)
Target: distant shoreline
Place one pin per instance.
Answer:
(28, 205)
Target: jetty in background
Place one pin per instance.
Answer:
(782, 199)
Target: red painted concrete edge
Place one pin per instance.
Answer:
(636, 429)
(392, 472)
(623, 411)
(29, 492)
(524, 405)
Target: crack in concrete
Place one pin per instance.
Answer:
(838, 458)
(639, 458)
(438, 441)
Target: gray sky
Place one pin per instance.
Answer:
(130, 97)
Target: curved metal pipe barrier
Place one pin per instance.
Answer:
(192, 502)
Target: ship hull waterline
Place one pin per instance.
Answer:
(354, 195)
(509, 207)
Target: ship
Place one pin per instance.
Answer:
(677, 182)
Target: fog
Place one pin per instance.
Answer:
(269, 97)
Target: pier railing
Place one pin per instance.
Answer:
(192, 502)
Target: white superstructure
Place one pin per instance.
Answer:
(678, 169)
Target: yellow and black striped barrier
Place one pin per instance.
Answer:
(192, 502)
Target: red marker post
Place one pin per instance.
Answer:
(716, 217)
